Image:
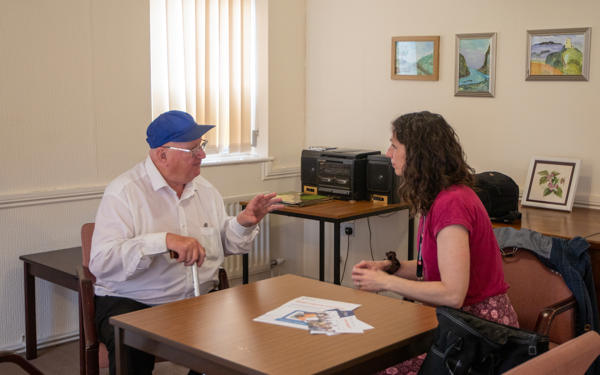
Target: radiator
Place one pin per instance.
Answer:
(259, 259)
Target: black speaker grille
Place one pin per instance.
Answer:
(380, 177)
(308, 171)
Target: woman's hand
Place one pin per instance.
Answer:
(373, 264)
(369, 275)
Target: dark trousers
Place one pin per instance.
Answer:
(138, 362)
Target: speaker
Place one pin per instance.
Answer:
(309, 171)
(382, 182)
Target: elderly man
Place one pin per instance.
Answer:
(164, 204)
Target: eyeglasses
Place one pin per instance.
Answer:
(195, 151)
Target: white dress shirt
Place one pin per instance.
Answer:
(129, 253)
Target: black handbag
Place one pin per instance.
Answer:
(466, 344)
(499, 194)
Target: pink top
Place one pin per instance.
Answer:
(460, 205)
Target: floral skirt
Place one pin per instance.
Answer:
(497, 309)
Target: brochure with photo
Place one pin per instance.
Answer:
(318, 316)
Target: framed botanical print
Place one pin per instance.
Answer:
(551, 183)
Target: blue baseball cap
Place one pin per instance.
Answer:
(174, 126)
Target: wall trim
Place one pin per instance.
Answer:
(587, 203)
(57, 195)
(60, 195)
(270, 173)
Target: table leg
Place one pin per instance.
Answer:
(321, 250)
(336, 253)
(411, 238)
(120, 357)
(30, 324)
(245, 269)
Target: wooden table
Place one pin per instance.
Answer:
(337, 212)
(58, 267)
(580, 221)
(215, 333)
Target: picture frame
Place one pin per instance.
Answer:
(551, 183)
(415, 58)
(475, 64)
(558, 54)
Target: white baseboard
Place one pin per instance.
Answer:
(44, 343)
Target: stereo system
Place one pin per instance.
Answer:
(348, 174)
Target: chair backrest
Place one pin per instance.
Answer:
(533, 287)
(573, 357)
(87, 230)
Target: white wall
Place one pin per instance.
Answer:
(351, 98)
(74, 106)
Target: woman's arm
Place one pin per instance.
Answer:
(453, 262)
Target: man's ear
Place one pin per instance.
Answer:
(159, 155)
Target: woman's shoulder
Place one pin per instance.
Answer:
(457, 205)
(454, 192)
(456, 197)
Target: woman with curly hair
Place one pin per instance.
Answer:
(459, 262)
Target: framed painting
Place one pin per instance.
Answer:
(558, 54)
(551, 183)
(415, 57)
(475, 64)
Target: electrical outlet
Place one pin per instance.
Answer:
(348, 229)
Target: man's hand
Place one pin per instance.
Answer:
(188, 249)
(257, 208)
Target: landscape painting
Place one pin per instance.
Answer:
(475, 64)
(558, 54)
(415, 57)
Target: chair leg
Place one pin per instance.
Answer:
(9, 357)
(82, 369)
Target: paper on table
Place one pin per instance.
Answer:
(299, 311)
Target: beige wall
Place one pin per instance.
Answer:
(74, 106)
(351, 98)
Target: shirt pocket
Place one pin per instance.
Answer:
(210, 239)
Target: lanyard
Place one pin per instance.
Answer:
(419, 255)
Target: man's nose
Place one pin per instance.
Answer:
(200, 154)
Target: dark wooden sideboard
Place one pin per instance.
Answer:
(583, 222)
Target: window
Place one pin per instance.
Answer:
(203, 62)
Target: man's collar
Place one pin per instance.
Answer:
(157, 180)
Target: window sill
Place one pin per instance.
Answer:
(229, 159)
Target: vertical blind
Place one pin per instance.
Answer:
(203, 62)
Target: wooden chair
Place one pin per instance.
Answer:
(19, 361)
(573, 357)
(96, 354)
(541, 298)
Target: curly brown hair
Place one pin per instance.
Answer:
(434, 159)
